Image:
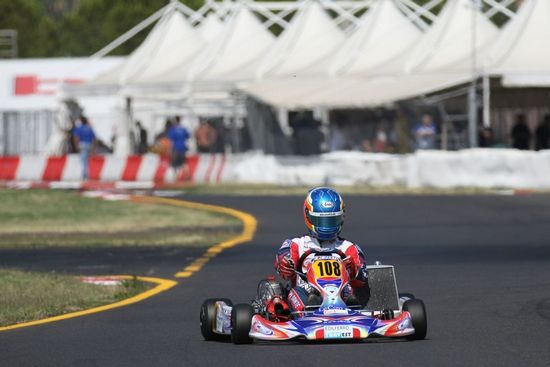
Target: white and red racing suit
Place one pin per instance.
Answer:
(294, 248)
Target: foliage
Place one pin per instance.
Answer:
(82, 27)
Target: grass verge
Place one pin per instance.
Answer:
(49, 218)
(29, 296)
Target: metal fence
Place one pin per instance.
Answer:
(25, 132)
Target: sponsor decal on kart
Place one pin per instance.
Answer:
(262, 329)
(335, 311)
(338, 331)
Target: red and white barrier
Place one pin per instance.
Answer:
(487, 168)
(109, 168)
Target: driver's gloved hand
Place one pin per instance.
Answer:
(286, 267)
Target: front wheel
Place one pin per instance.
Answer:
(208, 318)
(241, 320)
(419, 320)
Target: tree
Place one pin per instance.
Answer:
(36, 33)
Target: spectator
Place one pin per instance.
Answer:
(486, 137)
(178, 136)
(142, 142)
(69, 133)
(337, 137)
(521, 135)
(542, 134)
(381, 141)
(85, 140)
(425, 133)
(206, 137)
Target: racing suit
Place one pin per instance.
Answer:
(301, 293)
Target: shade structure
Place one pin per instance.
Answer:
(383, 36)
(210, 27)
(348, 92)
(235, 55)
(448, 45)
(172, 43)
(522, 52)
(305, 47)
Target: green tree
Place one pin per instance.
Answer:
(36, 32)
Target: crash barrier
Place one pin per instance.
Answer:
(486, 168)
(110, 168)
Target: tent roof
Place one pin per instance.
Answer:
(233, 56)
(447, 44)
(348, 92)
(382, 36)
(173, 41)
(522, 52)
(210, 27)
(310, 38)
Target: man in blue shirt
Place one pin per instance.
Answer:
(178, 136)
(425, 133)
(85, 141)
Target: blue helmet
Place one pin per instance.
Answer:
(324, 213)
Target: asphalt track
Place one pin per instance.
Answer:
(481, 264)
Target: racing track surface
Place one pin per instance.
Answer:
(481, 264)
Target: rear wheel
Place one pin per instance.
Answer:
(241, 320)
(419, 320)
(208, 318)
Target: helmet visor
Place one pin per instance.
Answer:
(326, 221)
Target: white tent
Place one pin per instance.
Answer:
(383, 35)
(172, 42)
(447, 47)
(304, 47)
(210, 28)
(234, 55)
(522, 53)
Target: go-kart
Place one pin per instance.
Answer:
(386, 314)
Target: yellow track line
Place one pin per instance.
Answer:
(162, 285)
(249, 228)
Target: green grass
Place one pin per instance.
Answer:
(46, 218)
(28, 296)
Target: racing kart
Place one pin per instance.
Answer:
(386, 314)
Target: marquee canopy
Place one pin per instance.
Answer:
(323, 60)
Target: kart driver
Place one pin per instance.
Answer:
(324, 217)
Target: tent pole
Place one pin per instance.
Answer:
(131, 33)
(486, 101)
(472, 115)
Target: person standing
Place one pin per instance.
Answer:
(178, 136)
(542, 134)
(521, 135)
(85, 141)
(425, 133)
(206, 137)
(142, 143)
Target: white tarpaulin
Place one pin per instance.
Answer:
(234, 55)
(383, 36)
(522, 52)
(304, 47)
(447, 47)
(173, 43)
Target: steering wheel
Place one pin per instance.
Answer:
(299, 265)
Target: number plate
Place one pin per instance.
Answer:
(338, 331)
(327, 269)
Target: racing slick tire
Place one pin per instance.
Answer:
(419, 320)
(241, 320)
(208, 318)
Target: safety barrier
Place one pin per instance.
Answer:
(487, 168)
(110, 168)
